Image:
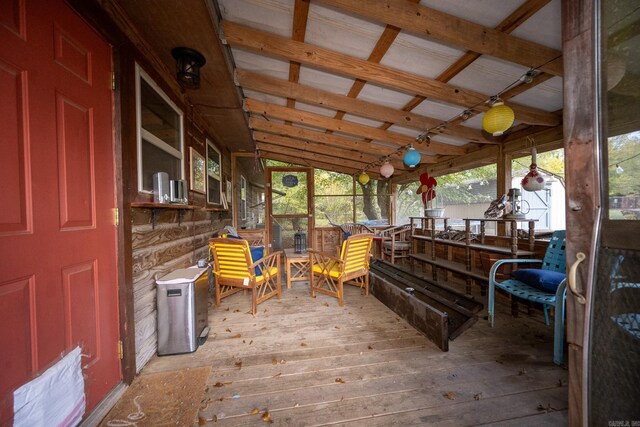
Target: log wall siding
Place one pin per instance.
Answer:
(177, 240)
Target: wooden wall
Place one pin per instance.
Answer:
(173, 243)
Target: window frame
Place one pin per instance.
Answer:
(142, 133)
(243, 198)
(211, 145)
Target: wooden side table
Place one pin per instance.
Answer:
(297, 266)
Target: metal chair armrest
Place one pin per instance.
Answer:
(494, 267)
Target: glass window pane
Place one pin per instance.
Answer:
(333, 209)
(157, 160)
(332, 183)
(624, 176)
(158, 117)
(289, 193)
(214, 191)
(546, 205)
(283, 232)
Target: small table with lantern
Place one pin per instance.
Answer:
(296, 266)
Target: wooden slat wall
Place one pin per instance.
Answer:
(173, 243)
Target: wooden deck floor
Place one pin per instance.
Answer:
(309, 362)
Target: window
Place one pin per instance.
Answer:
(465, 194)
(546, 205)
(337, 203)
(214, 174)
(243, 197)
(160, 142)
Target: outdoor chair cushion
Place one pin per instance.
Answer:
(257, 252)
(544, 280)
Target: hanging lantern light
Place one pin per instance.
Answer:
(411, 157)
(363, 178)
(188, 63)
(498, 119)
(386, 169)
(533, 181)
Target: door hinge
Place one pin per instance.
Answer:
(120, 350)
(113, 80)
(116, 216)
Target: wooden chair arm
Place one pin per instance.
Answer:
(267, 260)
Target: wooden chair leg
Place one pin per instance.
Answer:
(254, 299)
(340, 293)
(217, 293)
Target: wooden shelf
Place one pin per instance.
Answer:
(152, 205)
(455, 267)
(478, 246)
(467, 268)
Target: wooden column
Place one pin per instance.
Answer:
(580, 130)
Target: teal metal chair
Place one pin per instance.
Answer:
(554, 260)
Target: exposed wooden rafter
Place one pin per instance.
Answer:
(300, 15)
(309, 159)
(431, 23)
(321, 137)
(316, 147)
(357, 107)
(355, 129)
(267, 43)
(510, 23)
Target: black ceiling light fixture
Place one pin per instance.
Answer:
(188, 63)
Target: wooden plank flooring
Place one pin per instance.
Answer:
(309, 362)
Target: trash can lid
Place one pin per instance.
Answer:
(181, 275)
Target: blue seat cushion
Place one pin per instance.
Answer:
(545, 280)
(257, 252)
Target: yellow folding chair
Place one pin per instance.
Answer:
(329, 273)
(235, 270)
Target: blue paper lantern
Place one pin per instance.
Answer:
(411, 157)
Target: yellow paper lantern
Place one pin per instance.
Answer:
(363, 178)
(498, 119)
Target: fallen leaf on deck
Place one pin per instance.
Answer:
(239, 365)
(228, 330)
(250, 342)
(274, 361)
(341, 398)
(560, 383)
(254, 411)
(236, 311)
(522, 371)
(302, 344)
(450, 395)
(264, 328)
(337, 327)
(218, 384)
(370, 348)
(266, 417)
(340, 380)
(326, 304)
(224, 319)
(397, 319)
(296, 405)
(547, 408)
(282, 362)
(227, 309)
(221, 399)
(203, 421)
(236, 336)
(277, 375)
(244, 342)
(477, 396)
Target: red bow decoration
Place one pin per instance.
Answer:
(426, 188)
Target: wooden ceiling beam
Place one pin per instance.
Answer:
(357, 107)
(433, 24)
(312, 163)
(333, 163)
(271, 44)
(510, 23)
(355, 129)
(316, 147)
(321, 137)
(299, 29)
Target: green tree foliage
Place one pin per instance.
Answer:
(624, 151)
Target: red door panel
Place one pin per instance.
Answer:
(58, 264)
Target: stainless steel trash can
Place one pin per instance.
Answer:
(182, 310)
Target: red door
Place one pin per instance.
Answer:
(58, 287)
